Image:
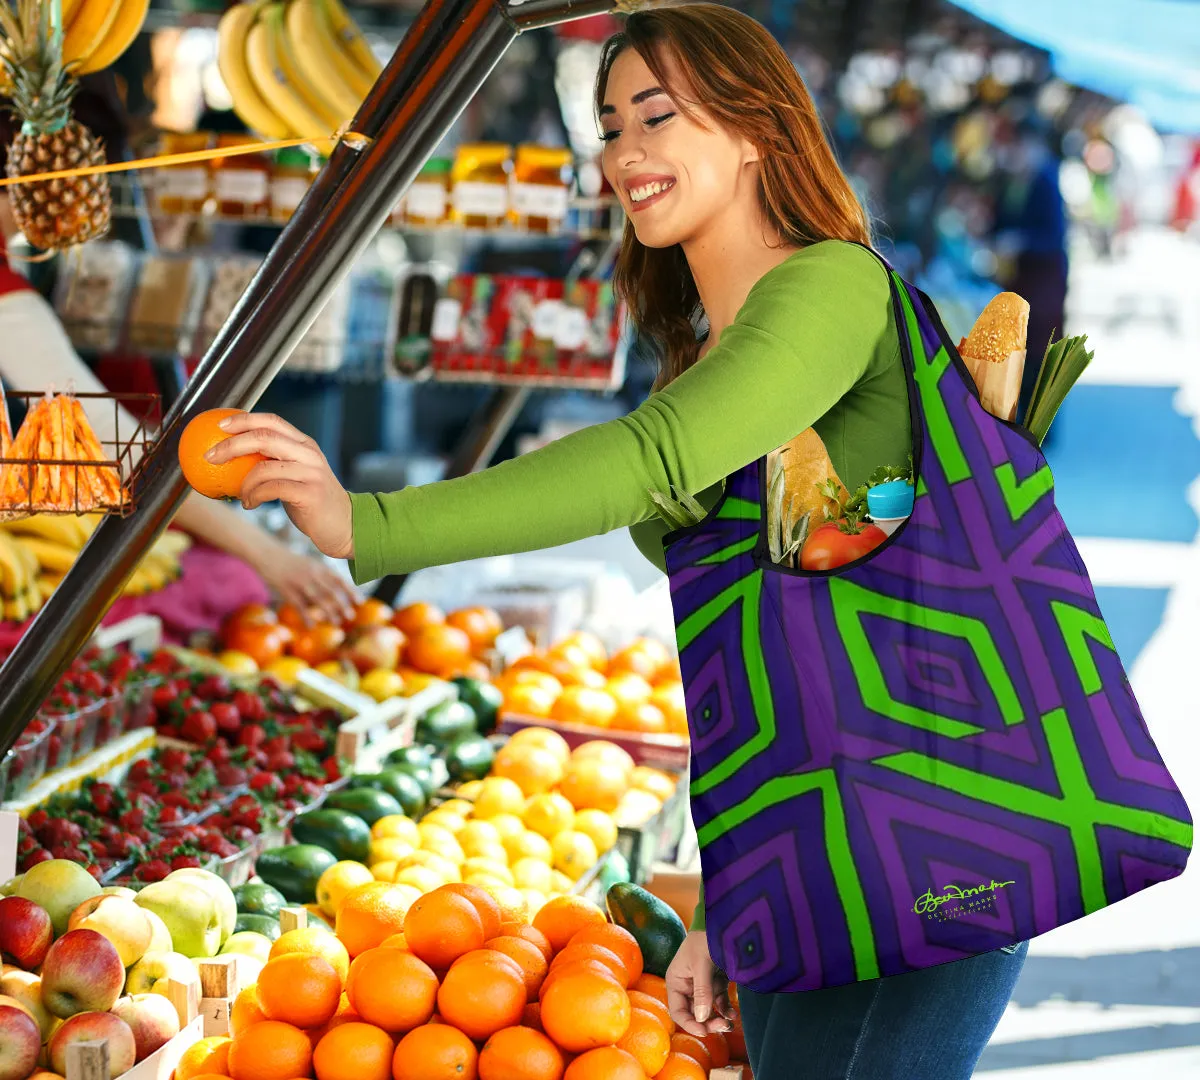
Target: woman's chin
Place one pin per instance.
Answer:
(656, 237)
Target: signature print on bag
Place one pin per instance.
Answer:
(976, 897)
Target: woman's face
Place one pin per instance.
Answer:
(676, 174)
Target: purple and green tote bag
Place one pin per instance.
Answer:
(929, 753)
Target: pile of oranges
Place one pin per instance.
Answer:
(455, 988)
(638, 688)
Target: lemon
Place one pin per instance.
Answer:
(636, 807)
(440, 865)
(452, 823)
(237, 663)
(337, 881)
(496, 852)
(513, 906)
(441, 842)
(574, 853)
(410, 894)
(477, 834)
(599, 826)
(535, 900)
(499, 795)
(381, 684)
(531, 874)
(486, 881)
(418, 681)
(461, 807)
(385, 871)
(486, 866)
(421, 878)
(507, 825)
(397, 825)
(341, 671)
(470, 790)
(559, 882)
(548, 814)
(529, 845)
(285, 669)
(388, 849)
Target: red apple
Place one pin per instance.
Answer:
(152, 1019)
(20, 1043)
(375, 647)
(82, 972)
(86, 1026)
(25, 931)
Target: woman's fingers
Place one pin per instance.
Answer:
(269, 443)
(250, 421)
(277, 479)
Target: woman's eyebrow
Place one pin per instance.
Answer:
(637, 99)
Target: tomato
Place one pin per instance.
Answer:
(828, 546)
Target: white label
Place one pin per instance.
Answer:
(540, 200)
(185, 183)
(447, 313)
(572, 328)
(546, 314)
(474, 198)
(287, 191)
(426, 200)
(241, 185)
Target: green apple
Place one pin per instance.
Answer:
(119, 890)
(59, 886)
(120, 920)
(160, 936)
(9, 888)
(217, 888)
(189, 912)
(150, 974)
(249, 943)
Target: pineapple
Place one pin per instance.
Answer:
(52, 214)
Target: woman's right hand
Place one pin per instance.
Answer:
(297, 474)
(697, 993)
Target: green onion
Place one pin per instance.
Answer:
(1065, 360)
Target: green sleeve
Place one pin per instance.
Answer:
(805, 335)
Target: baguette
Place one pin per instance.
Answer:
(994, 353)
(806, 465)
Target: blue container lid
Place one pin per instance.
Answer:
(891, 500)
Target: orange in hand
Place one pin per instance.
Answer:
(215, 481)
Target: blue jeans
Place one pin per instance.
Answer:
(932, 1023)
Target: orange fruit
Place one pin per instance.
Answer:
(644, 717)
(270, 1051)
(245, 1011)
(520, 1053)
(513, 908)
(655, 781)
(543, 738)
(588, 951)
(605, 1063)
(208, 1056)
(586, 705)
(435, 1052)
(371, 612)
(531, 768)
(529, 699)
(523, 674)
(472, 669)
(481, 624)
(532, 1016)
(214, 481)
(346, 1014)
(654, 985)
(606, 751)
(299, 989)
(647, 1040)
(583, 1010)
(441, 926)
(591, 784)
(437, 648)
(629, 689)
(370, 914)
(490, 958)
(392, 989)
(354, 1052)
(263, 643)
(641, 1000)
(680, 1067)
(669, 672)
(483, 902)
(531, 934)
(529, 959)
(296, 620)
(617, 940)
(396, 941)
(644, 655)
(313, 941)
(564, 916)
(591, 645)
(318, 643)
(669, 697)
(718, 1048)
(481, 998)
(690, 1046)
(415, 617)
(737, 1045)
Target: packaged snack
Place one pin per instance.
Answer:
(480, 185)
(541, 188)
(427, 202)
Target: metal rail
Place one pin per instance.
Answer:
(438, 66)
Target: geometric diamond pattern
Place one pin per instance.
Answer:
(924, 755)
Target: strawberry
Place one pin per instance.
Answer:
(333, 768)
(249, 706)
(173, 758)
(227, 717)
(41, 855)
(251, 736)
(132, 819)
(266, 784)
(181, 862)
(154, 870)
(280, 761)
(199, 727)
(170, 815)
(312, 742)
(37, 819)
(219, 752)
(231, 776)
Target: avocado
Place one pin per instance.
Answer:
(658, 930)
(343, 834)
(446, 722)
(260, 924)
(410, 755)
(469, 758)
(295, 869)
(483, 698)
(366, 803)
(258, 899)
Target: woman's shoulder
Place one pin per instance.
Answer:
(845, 278)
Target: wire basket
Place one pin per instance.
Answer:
(77, 485)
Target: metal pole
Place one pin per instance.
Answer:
(438, 67)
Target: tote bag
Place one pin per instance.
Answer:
(926, 754)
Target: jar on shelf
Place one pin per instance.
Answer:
(541, 188)
(241, 183)
(427, 201)
(290, 178)
(183, 189)
(480, 185)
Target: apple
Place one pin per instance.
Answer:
(249, 943)
(86, 1026)
(45, 1074)
(150, 974)
(9, 888)
(118, 919)
(375, 647)
(217, 888)
(119, 890)
(25, 931)
(59, 886)
(152, 1019)
(26, 988)
(20, 1043)
(190, 914)
(82, 972)
(160, 936)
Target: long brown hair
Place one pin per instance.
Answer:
(739, 74)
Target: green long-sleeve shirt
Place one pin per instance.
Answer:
(814, 345)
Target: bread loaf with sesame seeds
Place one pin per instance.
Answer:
(994, 353)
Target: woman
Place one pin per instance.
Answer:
(738, 209)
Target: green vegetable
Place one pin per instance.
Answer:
(658, 930)
(483, 698)
(364, 802)
(469, 758)
(400, 783)
(258, 899)
(445, 723)
(340, 832)
(260, 924)
(294, 870)
(1065, 360)
(679, 512)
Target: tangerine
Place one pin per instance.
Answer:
(392, 989)
(371, 913)
(354, 1051)
(437, 648)
(246, 1010)
(206, 1057)
(435, 1052)
(520, 1053)
(199, 437)
(605, 1063)
(529, 958)
(481, 624)
(413, 618)
(441, 926)
(582, 1010)
(480, 998)
(647, 1040)
(271, 1050)
(299, 989)
(680, 1067)
(564, 916)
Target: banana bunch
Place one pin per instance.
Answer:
(160, 565)
(20, 592)
(294, 69)
(97, 32)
